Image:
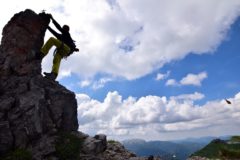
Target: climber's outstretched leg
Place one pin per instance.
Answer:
(62, 50)
(49, 44)
(55, 67)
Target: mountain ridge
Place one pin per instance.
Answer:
(181, 148)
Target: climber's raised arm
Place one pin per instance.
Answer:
(54, 32)
(57, 25)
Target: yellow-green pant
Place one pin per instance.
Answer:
(62, 50)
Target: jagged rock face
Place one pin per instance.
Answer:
(22, 37)
(32, 108)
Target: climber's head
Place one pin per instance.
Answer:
(66, 28)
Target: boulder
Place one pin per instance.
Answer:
(95, 145)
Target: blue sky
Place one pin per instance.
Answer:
(150, 69)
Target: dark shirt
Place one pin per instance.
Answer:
(65, 37)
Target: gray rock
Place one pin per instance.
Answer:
(2, 115)
(6, 137)
(89, 157)
(43, 147)
(116, 151)
(79, 134)
(95, 145)
(6, 103)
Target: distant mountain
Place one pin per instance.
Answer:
(203, 140)
(167, 150)
(143, 148)
(221, 149)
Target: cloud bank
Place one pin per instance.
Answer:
(131, 39)
(154, 117)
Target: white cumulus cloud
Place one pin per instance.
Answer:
(193, 97)
(171, 82)
(154, 117)
(194, 79)
(85, 83)
(189, 79)
(161, 76)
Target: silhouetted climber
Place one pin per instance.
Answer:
(228, 102)
(65, 46)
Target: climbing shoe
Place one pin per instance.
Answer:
(51, 76)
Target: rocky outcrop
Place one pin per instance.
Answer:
(39, 115)
(95, 145)
(32, 108)
(115, 151)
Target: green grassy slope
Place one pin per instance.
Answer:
(221, 149)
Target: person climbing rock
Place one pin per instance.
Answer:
(64, 44)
